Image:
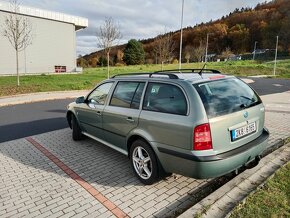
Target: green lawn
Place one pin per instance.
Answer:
(272, 200)
(91, 76)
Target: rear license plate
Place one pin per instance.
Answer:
(243, 131)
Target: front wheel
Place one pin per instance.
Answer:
(76, 130)
(144, 162)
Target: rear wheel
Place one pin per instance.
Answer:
(144, 162)
(76, 130)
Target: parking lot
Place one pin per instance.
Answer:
(50, 175)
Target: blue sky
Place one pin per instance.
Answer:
(139, 19)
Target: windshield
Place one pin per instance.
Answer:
(226, 96)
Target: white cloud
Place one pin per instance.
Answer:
(138, 19)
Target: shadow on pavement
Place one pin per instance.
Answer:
(21, 130)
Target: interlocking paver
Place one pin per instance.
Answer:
(111, 185)
(38, 188)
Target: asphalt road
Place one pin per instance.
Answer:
(266, 86)
(24, 120)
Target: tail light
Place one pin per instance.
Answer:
(202, 137)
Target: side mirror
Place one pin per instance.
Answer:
(80, 100)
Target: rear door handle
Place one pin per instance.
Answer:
(129, 119)
(99, 113)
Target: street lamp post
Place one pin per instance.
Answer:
(254, 53)
(206, 48)
(275, 63)
(180, 46)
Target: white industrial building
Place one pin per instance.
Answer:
(53, 47)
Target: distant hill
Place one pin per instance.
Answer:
(236, 32)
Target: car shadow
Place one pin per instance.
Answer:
(21, 130)
(57, 111)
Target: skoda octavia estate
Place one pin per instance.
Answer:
(197, 123)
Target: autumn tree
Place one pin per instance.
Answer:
(107, 35)
(240, 36)
(119, 56)
(81, 62)
(18, 30)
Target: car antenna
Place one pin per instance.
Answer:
(200, 72)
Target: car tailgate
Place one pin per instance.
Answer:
(236, 129)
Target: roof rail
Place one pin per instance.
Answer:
(191, 71)
(170, 76)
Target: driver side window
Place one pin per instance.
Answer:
(99, 95)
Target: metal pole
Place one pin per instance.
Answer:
(206, 48)
(254, 53)
(275, 63)
(180, 46)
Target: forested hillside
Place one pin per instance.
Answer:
(235, 33)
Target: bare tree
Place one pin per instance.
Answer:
(107, 35)
(188, 52)
(18, 30)
(164, 47)
(226, 53)
(198, 52)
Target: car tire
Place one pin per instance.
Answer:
(76, 130)
(144, 162)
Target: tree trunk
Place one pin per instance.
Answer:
(108, 64)
(17, 68)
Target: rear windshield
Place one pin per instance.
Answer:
(226, 96)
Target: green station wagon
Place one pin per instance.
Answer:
(197, 123)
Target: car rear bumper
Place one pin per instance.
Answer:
(202, 167)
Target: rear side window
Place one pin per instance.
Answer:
(165, 98)
(127, 94)
(222, 97)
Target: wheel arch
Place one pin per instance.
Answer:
(69, 115)
(132, 139)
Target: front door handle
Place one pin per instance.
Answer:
(130, 119)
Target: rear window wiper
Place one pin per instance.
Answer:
(253, 102)
(249, 105)
(245, 97)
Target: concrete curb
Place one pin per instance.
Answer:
(221, 202)
(255, 190)
(40, 96)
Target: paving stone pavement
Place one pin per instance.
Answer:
(34, 186)
(31, 185)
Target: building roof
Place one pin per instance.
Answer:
(79, 22)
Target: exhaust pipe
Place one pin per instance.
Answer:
(253, 163)
(248, 165)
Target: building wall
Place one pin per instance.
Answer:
(53, 44)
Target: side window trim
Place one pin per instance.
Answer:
(134, 95)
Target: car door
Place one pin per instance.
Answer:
(122, 113)
(90, 113)
(165, 115)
